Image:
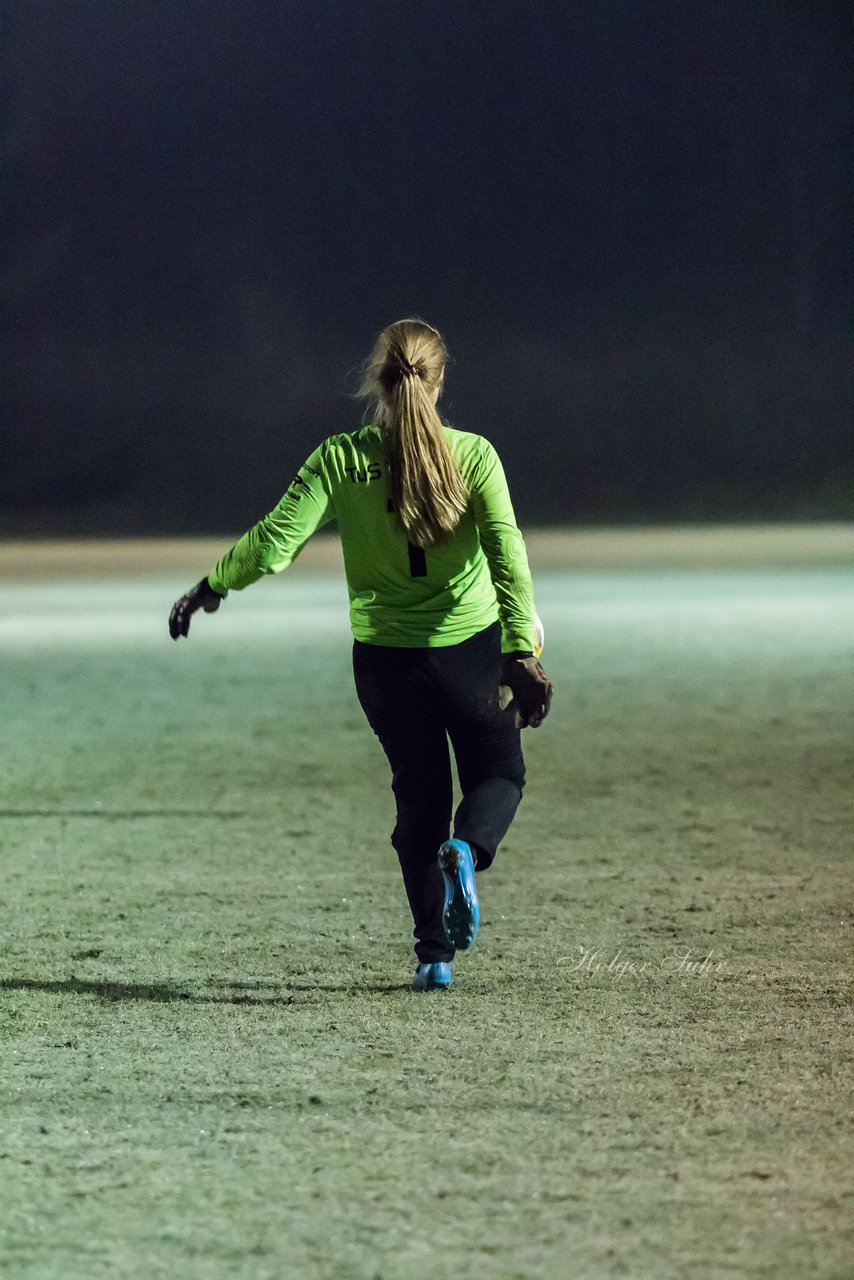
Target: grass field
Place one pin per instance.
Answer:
(212, 1064)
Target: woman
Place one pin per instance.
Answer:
(442, 613)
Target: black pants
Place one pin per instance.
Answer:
(414, 699)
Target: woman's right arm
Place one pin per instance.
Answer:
(528, 688)
(504, 548)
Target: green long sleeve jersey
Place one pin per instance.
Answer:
(399, 594)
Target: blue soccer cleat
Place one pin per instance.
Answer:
(432, 977)
(461, 913)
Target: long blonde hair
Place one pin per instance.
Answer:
(404, 375)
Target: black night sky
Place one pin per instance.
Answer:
(630, 218)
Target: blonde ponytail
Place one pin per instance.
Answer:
(404, 375)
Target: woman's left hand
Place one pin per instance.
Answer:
(201, 596)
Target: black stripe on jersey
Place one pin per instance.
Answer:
(417, 558)
(417, 561)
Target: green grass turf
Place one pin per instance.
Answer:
(212, 1064)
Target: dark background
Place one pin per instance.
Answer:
(630, 218)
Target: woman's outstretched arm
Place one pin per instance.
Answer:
(268, 547)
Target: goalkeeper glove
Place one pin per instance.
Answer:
(201, 596)
(526, 688)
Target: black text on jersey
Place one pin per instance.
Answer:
(363, 474)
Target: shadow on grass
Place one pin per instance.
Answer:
(117, 815)
(163, 994)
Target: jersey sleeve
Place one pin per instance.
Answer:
(504, 548)
(275, 542)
